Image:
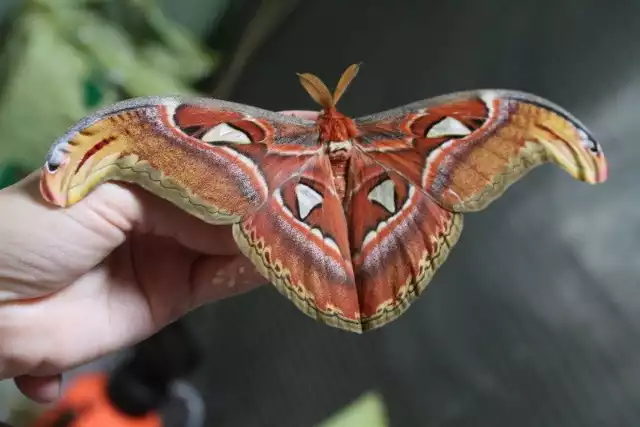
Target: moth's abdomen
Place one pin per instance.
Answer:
(339, 153)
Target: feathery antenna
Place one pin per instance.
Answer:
(319, 91)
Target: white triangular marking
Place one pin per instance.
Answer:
(225, 133)
(308, 198)
(385, 194)
(448, 127)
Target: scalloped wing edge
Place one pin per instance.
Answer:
(408, 294)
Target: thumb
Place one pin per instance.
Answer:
(114, 209)
(45, 247)
(44, 389)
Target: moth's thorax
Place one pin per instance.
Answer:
(337, 148)
(335, 127)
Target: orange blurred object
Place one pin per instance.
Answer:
(86, 404)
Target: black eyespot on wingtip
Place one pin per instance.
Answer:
(592, 145)
(51, 166)
(588, 141)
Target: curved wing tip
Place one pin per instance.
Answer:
(602, 174)
(46, 192)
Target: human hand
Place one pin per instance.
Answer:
(103, 274)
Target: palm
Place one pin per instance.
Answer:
(173, 278)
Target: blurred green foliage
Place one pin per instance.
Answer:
(62, 59)
(10, 173)
(367, 411)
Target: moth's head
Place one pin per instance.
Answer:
(570, 144)
(79, 160)
(333, 125)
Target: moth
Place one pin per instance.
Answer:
(349, 218)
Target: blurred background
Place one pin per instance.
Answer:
(535, 318)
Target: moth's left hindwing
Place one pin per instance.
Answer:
(299, 241)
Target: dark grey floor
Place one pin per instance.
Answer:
(535, 319)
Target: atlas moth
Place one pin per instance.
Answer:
(348, 218)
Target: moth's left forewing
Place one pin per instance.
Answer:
(215, 159)
(467, 148)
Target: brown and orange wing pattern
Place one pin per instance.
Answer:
(467, 148)
(299, 241)
(217, 160)
(352, 250)
(399, 237)
(419, 167)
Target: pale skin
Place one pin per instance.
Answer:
(79, 283)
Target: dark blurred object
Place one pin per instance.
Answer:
(137, 391)
(142, 384)
(533, 320)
